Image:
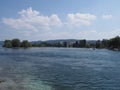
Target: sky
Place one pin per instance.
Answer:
(59, 19)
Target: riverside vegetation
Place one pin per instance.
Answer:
(16, 43)
(113, 43)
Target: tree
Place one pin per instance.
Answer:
(82, 43)
(105, 43)
(25, 44)
(114, 42)
(98, 44)
(7, 44)
(15, 43)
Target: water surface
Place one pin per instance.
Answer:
(59, 69)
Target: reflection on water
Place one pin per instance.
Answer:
(59, 69)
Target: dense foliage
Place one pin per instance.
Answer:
(25, 44)
(7, 44)
(16, 43)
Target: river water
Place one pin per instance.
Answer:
(59, 69)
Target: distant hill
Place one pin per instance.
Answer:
(36, 42)
(91, 41)
(54, 41)
(60, 41)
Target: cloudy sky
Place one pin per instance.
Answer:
(59, 19)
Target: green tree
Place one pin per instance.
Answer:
(15, 43)
(115, 42)
(7, 44)
(82, 43)
(25, 44)
(98, 44)
(105, 43)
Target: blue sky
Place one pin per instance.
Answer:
(59, 19)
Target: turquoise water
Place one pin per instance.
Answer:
(59, 69)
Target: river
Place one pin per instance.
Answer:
(59, 69)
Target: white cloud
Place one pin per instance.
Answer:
(32, 24)
(33, 20)
(55, 21)
(80, 19)
(107, 17)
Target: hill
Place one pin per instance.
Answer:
(68, 41)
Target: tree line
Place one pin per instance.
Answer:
(16, 43)
(113, 43)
